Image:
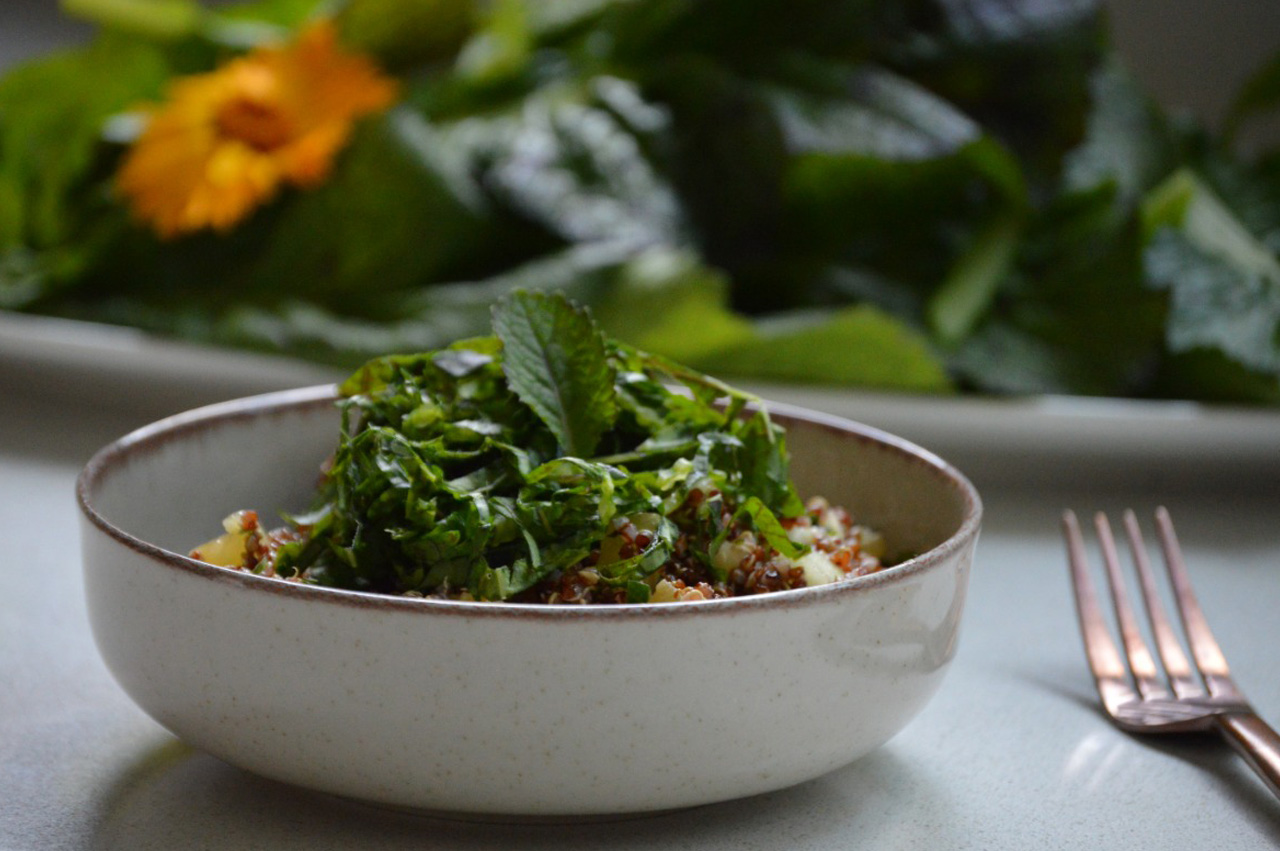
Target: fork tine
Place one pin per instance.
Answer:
(1145, 674)
(1170, 649)
(1109, 672)
(1204, 647)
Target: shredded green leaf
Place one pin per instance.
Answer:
(493, 464)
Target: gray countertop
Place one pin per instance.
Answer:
(1012, 753)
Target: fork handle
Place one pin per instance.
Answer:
(1254, 739)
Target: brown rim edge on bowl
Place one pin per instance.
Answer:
(155, 435)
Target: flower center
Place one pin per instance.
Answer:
(259, 124)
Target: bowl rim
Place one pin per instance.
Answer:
(154, 436)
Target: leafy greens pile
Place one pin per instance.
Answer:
(925, 195)
(488, 466)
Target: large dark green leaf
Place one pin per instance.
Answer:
(745, 34)
(885, 175)
(571, 166)
(1020, 68)
(908, 221)
(726, 158)
(855, 345)
(1127, 143)
(1075, 316)
(870, 112)
(396, 186)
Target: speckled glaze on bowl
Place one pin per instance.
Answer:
(503, 709)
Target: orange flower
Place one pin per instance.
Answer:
(225, 141)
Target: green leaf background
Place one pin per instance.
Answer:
(916, 196)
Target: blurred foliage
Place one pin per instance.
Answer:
(920, 195)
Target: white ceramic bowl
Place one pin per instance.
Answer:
(490, 708)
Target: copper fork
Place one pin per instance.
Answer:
(1136, 696)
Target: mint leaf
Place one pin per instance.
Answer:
(556, 362)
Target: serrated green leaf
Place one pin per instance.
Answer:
(566, 162)
(1224, 284)
(556, 362)
(1127, 142)
(1217, 301)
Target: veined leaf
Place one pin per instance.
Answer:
(556, 362)
(1224, 284)
(871, 112)
(1127, 141)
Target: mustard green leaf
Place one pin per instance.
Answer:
(857, 345)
